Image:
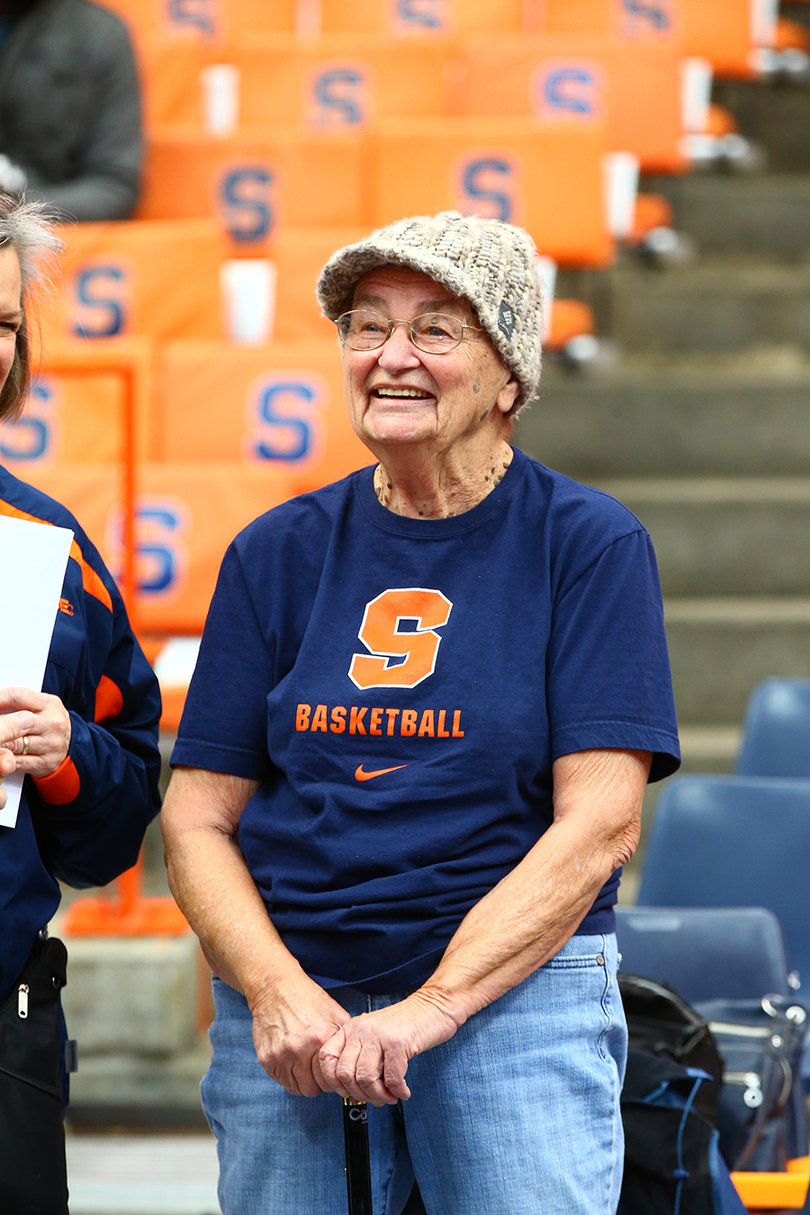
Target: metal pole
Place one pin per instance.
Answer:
(358, 1166)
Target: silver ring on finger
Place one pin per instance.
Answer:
(26, 744)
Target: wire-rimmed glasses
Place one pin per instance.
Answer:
(433, 332)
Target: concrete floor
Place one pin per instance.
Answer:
(142, 1175)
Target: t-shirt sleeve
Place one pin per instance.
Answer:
(609, 682)
(224, 722)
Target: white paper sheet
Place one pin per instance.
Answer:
(33, 558)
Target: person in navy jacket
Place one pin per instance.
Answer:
(411, 764)
(87, 741)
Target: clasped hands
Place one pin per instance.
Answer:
(311, 1045)
(34, 733)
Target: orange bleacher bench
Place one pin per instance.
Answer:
(422, 17)
(254, 182)
(160, 280)
(634, 88)
(277, 407)
(548, 179)
(320, 84)
(209, 20)
(728, 33)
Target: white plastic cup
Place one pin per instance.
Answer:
(696, 94)
(547, 273)
(220, 97)
(249, 297)
(621, 173)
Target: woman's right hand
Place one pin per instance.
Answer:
(7, 765)
(290, 1025)
(13, 726)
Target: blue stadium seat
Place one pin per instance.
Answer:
(708, 953)
(776, 731)
(730, 842)
(705, 952)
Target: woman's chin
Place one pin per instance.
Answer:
(396, 430)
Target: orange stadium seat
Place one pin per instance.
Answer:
(256, 181)
(420, 17)
(325, 83)
(791, 35)
(277, 407)
(548, 179)
(635, 88)
(728, 33)
(187, 514)
(569, 319)
(170, 73)
(299, 255)
(209, 20)
(156, 279)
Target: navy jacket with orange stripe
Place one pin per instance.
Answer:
(84, 824)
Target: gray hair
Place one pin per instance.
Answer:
(26, 228)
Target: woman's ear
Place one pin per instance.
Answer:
(508, 395)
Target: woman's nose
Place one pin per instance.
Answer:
(399, 350)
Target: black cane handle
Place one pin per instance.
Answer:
(358, 1167)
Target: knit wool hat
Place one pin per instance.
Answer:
(484, 261)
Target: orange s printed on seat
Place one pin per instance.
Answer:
(388, 643)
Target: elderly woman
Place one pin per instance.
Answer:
(87, 745)
(428, 700)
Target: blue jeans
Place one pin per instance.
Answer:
(518, 1113)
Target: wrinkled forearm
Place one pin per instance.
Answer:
(535, 909)
(211, 883)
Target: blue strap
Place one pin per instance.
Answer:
(682, 1174)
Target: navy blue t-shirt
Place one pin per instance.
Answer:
(401, 688)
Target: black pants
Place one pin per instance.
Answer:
(33, 1173)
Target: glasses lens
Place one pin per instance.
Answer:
(435, 332)
(362, 330)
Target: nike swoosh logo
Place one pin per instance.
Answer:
(361, 775)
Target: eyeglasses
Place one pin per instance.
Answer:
(434, 332)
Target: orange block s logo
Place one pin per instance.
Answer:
(400, 658)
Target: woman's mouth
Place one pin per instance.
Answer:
(401, 394)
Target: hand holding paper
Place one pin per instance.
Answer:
(34, 557)
(7, 764)
(48, 732)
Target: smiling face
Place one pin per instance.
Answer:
(399, 395)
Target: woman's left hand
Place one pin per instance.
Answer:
(45, 746)
(368, 1057)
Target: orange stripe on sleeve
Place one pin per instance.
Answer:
(109, 700)
(61, 786)
(91, 581)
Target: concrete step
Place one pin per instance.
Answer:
(153, 1092)
(767, 214)
(710, 749)
(142, 1175)
(776, 115)
(732, 415)
(736, 536)
(721, 647)
(713, 305)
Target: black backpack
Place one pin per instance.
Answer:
(669, 1103)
